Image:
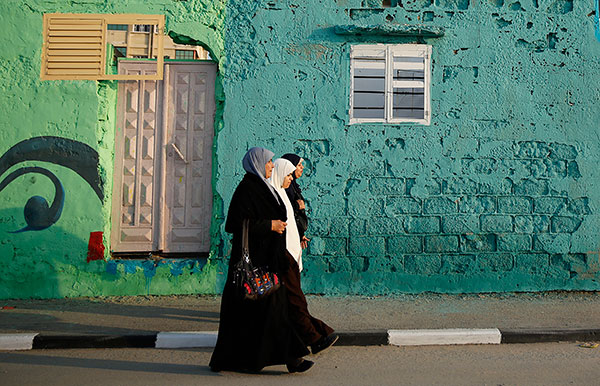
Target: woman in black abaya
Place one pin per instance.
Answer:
(314, 332)
(255, 334)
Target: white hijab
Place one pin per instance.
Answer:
(283, 168)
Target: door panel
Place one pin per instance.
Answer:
(135, 162)
(162, 194)
(189, 189)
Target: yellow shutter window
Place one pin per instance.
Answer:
(75, 45)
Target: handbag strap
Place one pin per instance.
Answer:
(245, 249)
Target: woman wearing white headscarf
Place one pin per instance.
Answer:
(258, 333)
(314, 332)
(280, 180)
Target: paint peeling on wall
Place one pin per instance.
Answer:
(149, 268)
(499, 193)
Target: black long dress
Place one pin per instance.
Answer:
(255, 334)
(309, 328)
(294, 193)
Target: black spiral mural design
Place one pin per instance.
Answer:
(69, 153)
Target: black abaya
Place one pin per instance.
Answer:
(255, 334)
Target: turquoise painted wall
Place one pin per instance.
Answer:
(53, 262)
(500, 192)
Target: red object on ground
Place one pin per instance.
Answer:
(8, 308)
(95, 247)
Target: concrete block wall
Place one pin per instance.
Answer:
(498, 193)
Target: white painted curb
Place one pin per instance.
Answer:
(17, 341)
(444, 337)
(186, 339)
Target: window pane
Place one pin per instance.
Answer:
(116, 27)
(409, 62)
(369, 113)
(409, 69)
(120, 52)
(184, 54)
(142, 28)
(368, 100)
(409, 75)
(369, 88)
(409, 103)
(369, 84)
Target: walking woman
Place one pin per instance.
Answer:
(314, 332)
(257, 333)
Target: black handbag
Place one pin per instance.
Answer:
(252, 283)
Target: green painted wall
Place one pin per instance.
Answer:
(499, 193)
(52, 262)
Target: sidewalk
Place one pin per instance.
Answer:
(135, 321)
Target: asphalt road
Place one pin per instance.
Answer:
(514, 364)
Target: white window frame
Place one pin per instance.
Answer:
(388, 52)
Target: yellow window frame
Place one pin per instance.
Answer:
(74, 45)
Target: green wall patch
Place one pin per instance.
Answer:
(56, 182)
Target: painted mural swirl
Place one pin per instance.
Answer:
(75, 155)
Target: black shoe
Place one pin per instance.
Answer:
(324, 342)
(302, 367)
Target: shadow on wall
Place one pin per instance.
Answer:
(39, 264)
(55, 263)
(33, 260)
(69, 153)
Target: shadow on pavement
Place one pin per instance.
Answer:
(105, 364)
(93, 316)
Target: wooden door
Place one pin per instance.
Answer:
(162, 192)
(189, 156)
(134, 214)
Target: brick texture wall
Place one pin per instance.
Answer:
(500, 191)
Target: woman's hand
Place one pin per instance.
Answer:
(304, 242)
(301, 204)
(278, 226)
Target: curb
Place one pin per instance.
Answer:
(93, 341)
(550, 335)
(207, 339)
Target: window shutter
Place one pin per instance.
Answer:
(73, 47)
